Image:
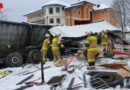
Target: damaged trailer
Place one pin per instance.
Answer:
(20, 42)
(74, 37)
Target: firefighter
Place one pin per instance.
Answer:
(104, 38)
(56, 44)
(45, 46)
(91, 47)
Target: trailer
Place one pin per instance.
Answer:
(20, 42)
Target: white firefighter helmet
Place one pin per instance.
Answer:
(89, 32)
(57, 34)
(105, 31)
(47, 35)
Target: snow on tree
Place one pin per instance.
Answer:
(123, 9)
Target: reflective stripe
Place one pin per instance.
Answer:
(62, 45)
(54, 60)
(93, 38)
(91, 60)
(105, 35)
(59, 42)
(44, 59)
(54, 48)
(54, 40)
(103, 42)
(92, 49)
(87, 42)
(44, 48)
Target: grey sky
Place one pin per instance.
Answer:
(15, 9)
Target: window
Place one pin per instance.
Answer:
(57, 9)
(79, 12)
(58, 20)
(74, 11)
(31, 19)
(88, 6)
(102, 12)
(51, 21)
(50, 10)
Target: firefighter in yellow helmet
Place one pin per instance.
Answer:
(91, 47)
(104, 38)
(56, 43)
(46, 44)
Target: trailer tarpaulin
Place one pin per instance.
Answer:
(79, 30)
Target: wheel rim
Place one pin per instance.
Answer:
(15, 60)
(37, 55)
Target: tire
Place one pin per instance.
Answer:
(112, 79)
(34, 56)
(14, 60)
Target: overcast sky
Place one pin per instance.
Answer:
(15, 9)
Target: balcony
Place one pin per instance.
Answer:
(37, 19)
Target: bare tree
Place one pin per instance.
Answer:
(123, 9)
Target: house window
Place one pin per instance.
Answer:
(74, 11)
(79, 12)
(50, 10)
(57, 9)
(31, 19)
(51, 21)
(58, 20)
(88, 6)
(102, 12)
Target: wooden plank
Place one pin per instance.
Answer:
(123, 73)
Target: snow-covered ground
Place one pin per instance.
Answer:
(9, 82)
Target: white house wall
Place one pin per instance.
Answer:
(55, 15)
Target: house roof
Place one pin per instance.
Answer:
(79, 4)
(55, 2)
(100, 7)
(79, 30)
(32, 12)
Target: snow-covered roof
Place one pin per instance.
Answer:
(100, 7)
(79, 30)
(32, 12)
(80, 3)
(55, 2)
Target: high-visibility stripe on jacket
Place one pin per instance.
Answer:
(55, 43)
(91, 43)
(46, 44)
(104, 38)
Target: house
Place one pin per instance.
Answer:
(52, 13)
(56, 12)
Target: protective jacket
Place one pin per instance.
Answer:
(45, 46)
(92, 48)
(56, 43)
(104, 39)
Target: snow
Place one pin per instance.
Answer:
(79, 3)
(101, 7)
(9, 82)
(57, 2)
(79, 30)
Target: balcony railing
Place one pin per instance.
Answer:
(37, 19)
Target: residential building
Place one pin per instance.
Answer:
(52, 13)
(56, 12)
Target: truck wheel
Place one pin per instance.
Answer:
(35, 56)
(14, 60)
(112, 79)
